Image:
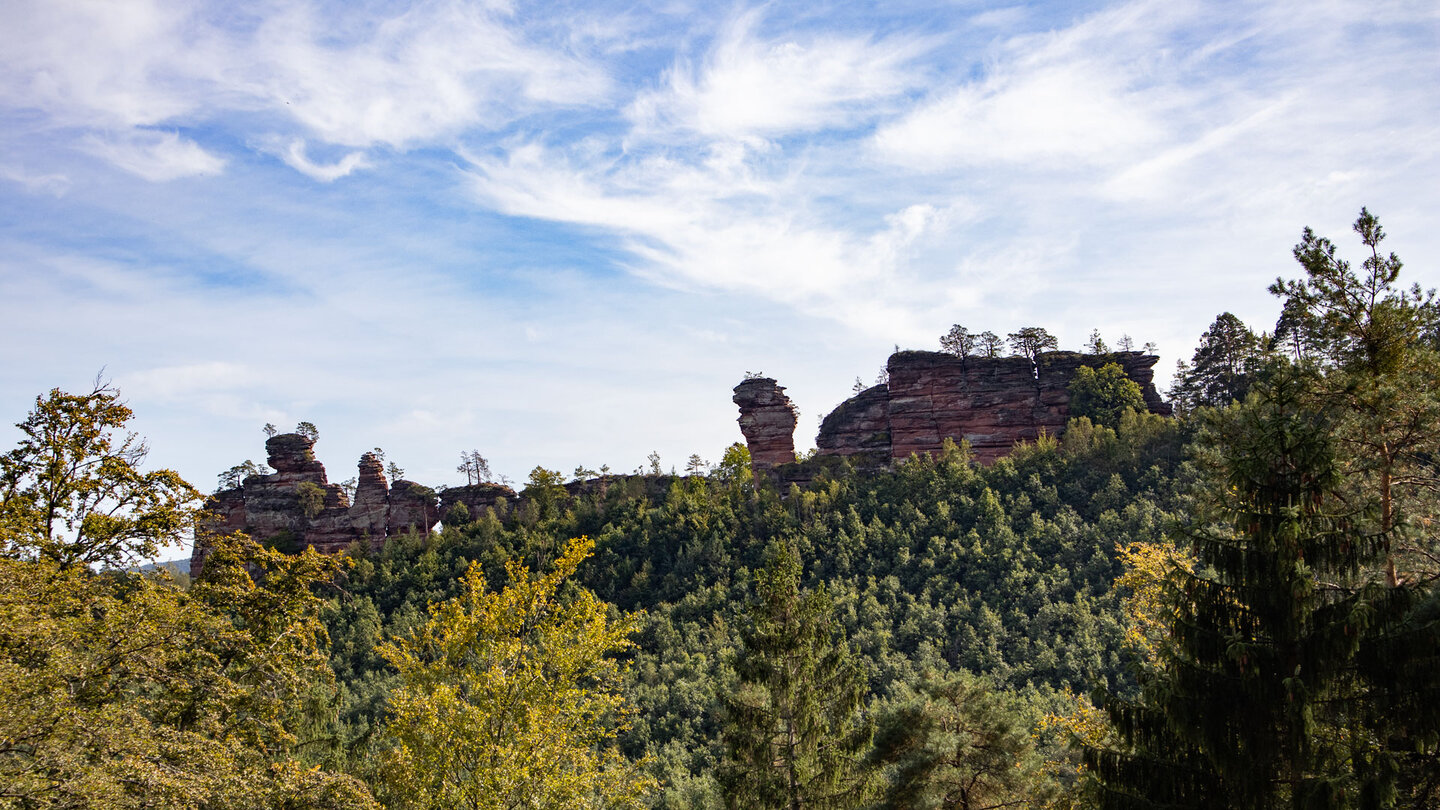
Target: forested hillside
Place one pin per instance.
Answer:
(1231, 607)
(940, 566)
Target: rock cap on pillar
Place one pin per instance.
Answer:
(767, 419)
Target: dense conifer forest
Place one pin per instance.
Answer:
(1232, 607)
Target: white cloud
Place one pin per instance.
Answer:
(54, 184)
(724, 225)
(1091, 94)
(430, 72)
(1138, 170)
(295, 157)
(106, 63)
(155, 156)
(752, 87)
(1050, 115)
(168, 382)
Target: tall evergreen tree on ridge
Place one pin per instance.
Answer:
(1223, 367)
(793, 729)
(1258, 680)
(1376, 343)
(1292, 675)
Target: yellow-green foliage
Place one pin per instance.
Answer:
(511, 699)
(120, 690)
(72, 490)
(1145, 604)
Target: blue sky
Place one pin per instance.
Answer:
(559, 233)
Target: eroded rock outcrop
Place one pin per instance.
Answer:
(767, 419)
(476, 498)
(296, 507)
(991, 402)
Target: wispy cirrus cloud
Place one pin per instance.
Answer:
(1093, 94)
(432, 71)
(749, 85)
(112, 64)
(291, 70)
(154, 156)
(727, 224)
(296, 156)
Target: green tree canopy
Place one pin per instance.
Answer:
(1223, 368)
(1374, 342)
(793, 731)
(955, 744)
(1299, 665)
(1357, 319)
(119, 690)
(1104, 394)
(1030, 341)
(989, 344)
(72, 491)
(959, 341)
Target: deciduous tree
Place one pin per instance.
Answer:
(1104, 394)
(120, 690)
(73, 490)
(510, 699)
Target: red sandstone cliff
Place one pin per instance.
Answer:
(271, 507)
(990, 402)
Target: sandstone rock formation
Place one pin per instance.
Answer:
(296, 506)
(990, 402)
(767, 419)
(476, 498)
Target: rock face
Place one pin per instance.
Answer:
(296, 507)
(991, 402)
(859, 428)
(767, 419)
(371, 496)
(476, 498)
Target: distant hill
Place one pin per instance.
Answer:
(178, 568)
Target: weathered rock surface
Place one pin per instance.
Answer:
(371, 497)
(990, 402)
(413, 507)
(476, 498)
(767, 419)
(285, 509)
(859, 428)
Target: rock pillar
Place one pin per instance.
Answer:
(767, 419)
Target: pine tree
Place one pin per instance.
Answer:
(793, 731)
(1223, 367)
(1257, 701)
(1370, 336)
(954, 743)
(1301, 659)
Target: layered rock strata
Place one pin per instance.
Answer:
(991, 402)
(476, 498)
(767, 419)
(297, 507)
